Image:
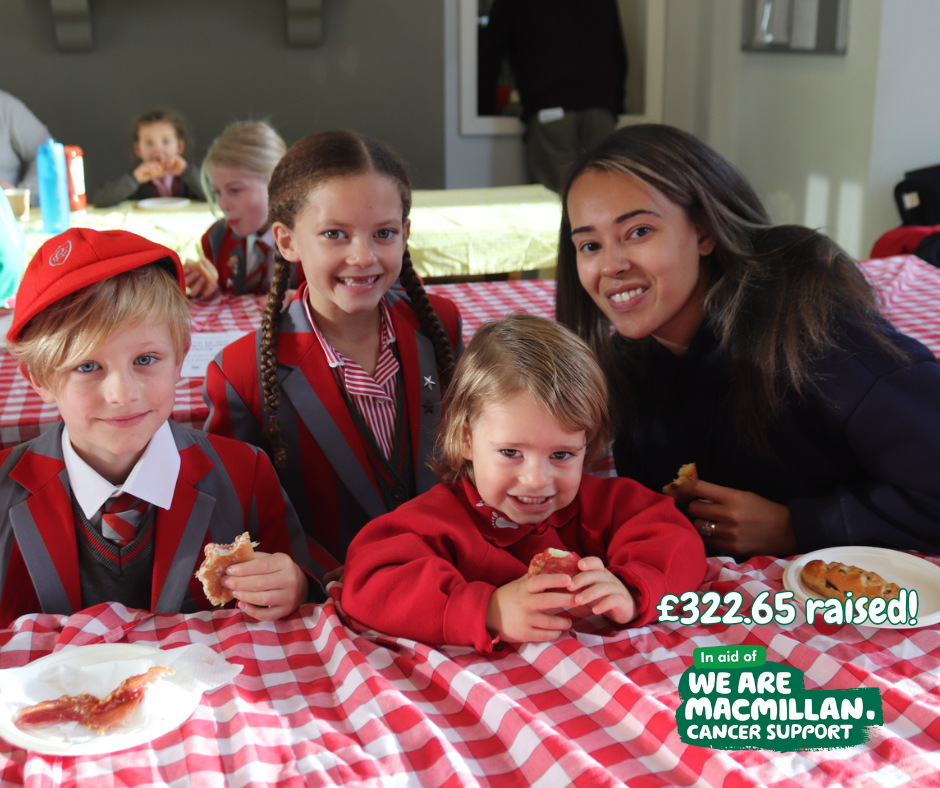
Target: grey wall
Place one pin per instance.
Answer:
(823, 139)
(379, 71)
(906, 129)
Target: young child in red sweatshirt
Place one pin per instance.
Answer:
(527, 408)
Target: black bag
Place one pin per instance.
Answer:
(918, 197)
(929, 249)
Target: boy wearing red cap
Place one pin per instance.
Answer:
(116, 503)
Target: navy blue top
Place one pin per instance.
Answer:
(857, 461)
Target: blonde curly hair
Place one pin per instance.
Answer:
(524, 353)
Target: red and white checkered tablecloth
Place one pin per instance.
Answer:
(480, 302)
(908, 291)
(318, 704)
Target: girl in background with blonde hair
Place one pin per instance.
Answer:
(235, 177)
(344, 386)
(526, 409)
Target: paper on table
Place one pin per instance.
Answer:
(205, 347)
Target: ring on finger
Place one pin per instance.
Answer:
(708, 529)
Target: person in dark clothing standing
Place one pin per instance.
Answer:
(570, 65)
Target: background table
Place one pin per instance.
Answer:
(179, 228)
(454, 232)
(466, 232)
(318, 704)
(908, 291)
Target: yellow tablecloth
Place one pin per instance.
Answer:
(455, 232)
(179, 228)
(461, 232)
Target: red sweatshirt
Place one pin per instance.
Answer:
(427, 570)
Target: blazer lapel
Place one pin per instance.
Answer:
(422, 391)
(308, 383)
(181, 530)
(321, 407)
(44, 525)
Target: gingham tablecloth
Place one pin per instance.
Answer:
(318, 704)
(908, 291)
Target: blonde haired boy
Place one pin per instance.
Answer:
(116, 503)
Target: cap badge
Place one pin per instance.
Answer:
(61, 254)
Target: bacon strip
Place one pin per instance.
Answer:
(98, 715)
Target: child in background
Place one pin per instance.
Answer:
(159, 142)
(526, 409)
(344, 386)
(235, 175)
(117, 502)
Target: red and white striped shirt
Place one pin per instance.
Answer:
(374, 397)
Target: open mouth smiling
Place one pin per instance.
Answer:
(627, 295)
(529, 501)
(362, 281)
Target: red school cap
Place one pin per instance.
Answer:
(78, 258)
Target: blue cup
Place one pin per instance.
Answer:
(53, 187)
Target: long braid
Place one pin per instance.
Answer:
(270, 387)
(430, 322)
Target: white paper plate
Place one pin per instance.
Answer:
(907, 570)
(163, 203)
(161, 710)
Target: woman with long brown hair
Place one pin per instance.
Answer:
(756, 351)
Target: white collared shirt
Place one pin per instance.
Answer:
(253, 255)
(153, 478)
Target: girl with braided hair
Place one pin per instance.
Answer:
(343, 387)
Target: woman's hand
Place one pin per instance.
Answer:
(268, 587)
(519, 611)
(744, 523)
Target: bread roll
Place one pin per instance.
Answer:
(204, 267)
(834, 578)
(687, 473)
(220, 557)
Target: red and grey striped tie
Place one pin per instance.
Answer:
(120, 517)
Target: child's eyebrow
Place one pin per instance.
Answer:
(522, 445)
(395, 219)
